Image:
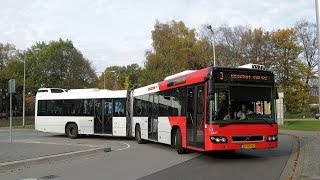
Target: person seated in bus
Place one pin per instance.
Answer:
(223, 111)
(121, 114)
(242, 114)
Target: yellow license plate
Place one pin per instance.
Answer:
(248, 146)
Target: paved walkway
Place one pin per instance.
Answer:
(308, 166)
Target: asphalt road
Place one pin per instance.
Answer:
(129, 160)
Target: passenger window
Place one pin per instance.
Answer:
(119, 108)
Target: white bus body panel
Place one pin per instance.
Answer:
(119, 126)
(57, 124)
(164, 130)
(143, 122)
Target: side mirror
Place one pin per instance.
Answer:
(276, 95)
(211, 87)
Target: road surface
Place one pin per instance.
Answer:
(129, 160)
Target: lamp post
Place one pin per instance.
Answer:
(318, 36)
(24, 92)
(214, 65)
(104, 80)
(104, 76)
(213, 46)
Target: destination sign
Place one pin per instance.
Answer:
(247, 76)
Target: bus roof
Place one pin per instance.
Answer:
(189, 77)
(177, 80)
(85, 94)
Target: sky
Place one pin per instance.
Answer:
(118, 32)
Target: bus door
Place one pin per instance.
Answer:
(108, 116)
(195, 116)
(98, 118)
(153, 117)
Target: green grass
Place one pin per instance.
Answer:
(17, 122)
(301, 125)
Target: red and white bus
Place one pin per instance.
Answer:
(215, 108)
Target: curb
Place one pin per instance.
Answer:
(289, 171)
(47, 159)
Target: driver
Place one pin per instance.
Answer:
(242, 114)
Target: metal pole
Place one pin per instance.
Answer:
(318, 37)
(24, 93)
(104, 80)
(214, 49)
(10, 117)
(213, 46)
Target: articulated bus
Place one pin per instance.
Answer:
(199, 110)
(82, 111)
(215, 108)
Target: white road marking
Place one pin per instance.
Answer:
(53, 143)
(128, 146)
(43, 141)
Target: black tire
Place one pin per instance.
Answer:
(178, 142)
(173, 139)
(72, 131)
(138, 135)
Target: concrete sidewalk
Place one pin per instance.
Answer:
(308, 164)
(23, 154)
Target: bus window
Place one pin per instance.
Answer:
(119, 108)
(140, 106)
(50, 108)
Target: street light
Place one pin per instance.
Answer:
(24, 92)
(112, 71)
(104, 77)
(213, 46)
(317, 3)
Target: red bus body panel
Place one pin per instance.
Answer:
(228, 131)
(240, 130)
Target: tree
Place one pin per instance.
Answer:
(120, 77)
(175, 49)
(290, 72)
(228, 44)
(7, 52)
(307, 37)
(57, 64)
(8, 57)
(256, 47)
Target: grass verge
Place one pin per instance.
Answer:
(301, 125)
(17, 122)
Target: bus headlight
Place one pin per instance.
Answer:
(218, 139)
(272, 138)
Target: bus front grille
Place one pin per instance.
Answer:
(246, 138)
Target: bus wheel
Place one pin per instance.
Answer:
(173, 139)
(72, 131)
(138, 135)
(178, 142)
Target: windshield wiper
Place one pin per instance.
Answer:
(268, 122)
(246, 122)
(226, 124)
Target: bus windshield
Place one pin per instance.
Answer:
(242, 104)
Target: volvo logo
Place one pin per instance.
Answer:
(247, 138)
